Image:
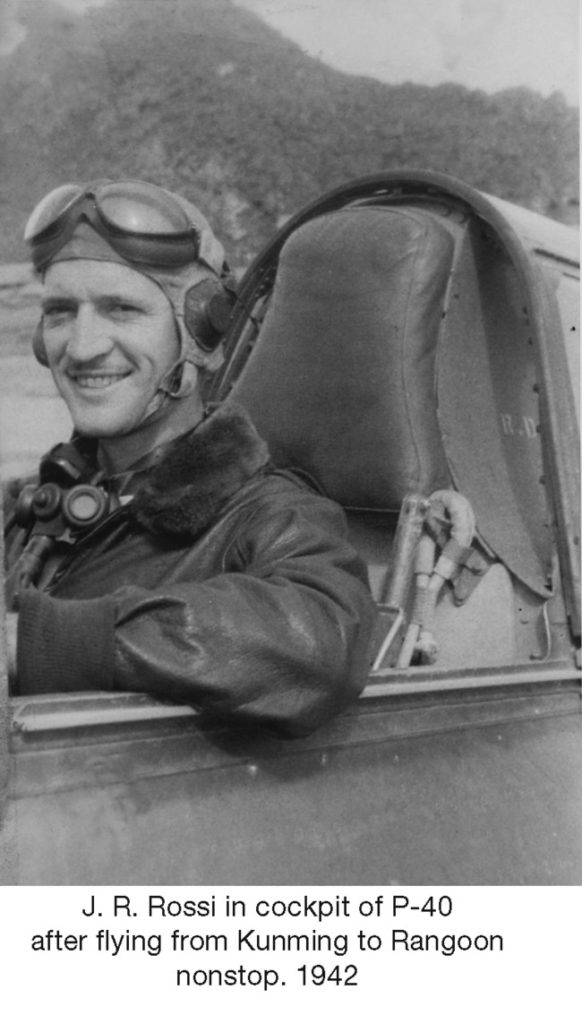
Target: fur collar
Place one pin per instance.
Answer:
(199, 472)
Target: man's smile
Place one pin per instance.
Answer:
(97, 380)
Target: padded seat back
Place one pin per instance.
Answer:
(341, 381)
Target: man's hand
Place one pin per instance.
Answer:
(11, 635)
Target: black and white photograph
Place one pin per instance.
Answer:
(289, 444)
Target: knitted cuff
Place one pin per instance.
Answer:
(65, 645)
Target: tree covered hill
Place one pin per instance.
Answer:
(203, 97)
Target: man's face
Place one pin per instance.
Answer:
(110, 337)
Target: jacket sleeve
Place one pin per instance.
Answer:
(280, 637)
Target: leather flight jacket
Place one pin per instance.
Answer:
(223, 583)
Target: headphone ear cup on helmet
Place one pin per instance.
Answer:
(208, 308)
(38, 346)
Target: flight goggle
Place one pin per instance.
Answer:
(143, 223)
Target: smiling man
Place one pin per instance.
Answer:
(159, 550)
(110, 388)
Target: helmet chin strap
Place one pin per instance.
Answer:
(179, 382)
(163, 419)
(182, 378)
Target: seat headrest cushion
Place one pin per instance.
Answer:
(341, 381)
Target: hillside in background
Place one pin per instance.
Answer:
(201, 96)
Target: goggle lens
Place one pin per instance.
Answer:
(141, 209)
(48, 211)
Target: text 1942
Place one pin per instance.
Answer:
(317, 974)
